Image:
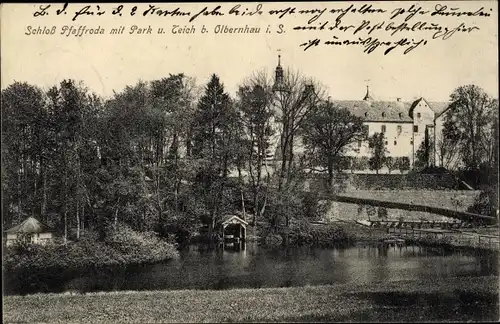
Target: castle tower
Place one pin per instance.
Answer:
(279, 78)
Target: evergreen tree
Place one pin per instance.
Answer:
(376, 143)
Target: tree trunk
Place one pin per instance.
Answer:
(255, 206)
(176, 197)
(77, 220)
(65, 226)
(83, 217)
(243, 206)
(211, 228)
(330, 174)
(290, 157)
(19, 197)
(116, 217)
(283, 148)
(65, 216)
(43, 207)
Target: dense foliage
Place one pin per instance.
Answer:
(171, 157)
(123, 246)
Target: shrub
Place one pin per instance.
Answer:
(382, 213)
(328, 235)
(323, 235)
(360, 163)
(402, 163)
(122, 246)
(484, 203)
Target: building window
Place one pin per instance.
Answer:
(365, 130)
(415, 128)
(383, 129)
(411, 142)
(359, 143)
(386, 142)
(395, 143)
(399, 128)
(419, 115)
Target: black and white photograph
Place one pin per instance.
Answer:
(246, 162)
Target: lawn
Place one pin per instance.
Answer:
(454, 200)
(455, 299)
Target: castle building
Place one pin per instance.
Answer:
(405, 124)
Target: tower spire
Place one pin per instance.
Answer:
(367, 95)
(279, 76)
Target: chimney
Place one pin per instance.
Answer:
(398, 99)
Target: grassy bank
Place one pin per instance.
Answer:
(463, 299)
(452, 199)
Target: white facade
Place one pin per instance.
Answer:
(35, 238)
(404, 125)
(398, 139)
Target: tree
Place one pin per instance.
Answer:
(370, 211)
(360, 163)
(468, 122)
(215, 125)
(382, 212)
(328, 132)
(376, 143)
(390, 163)
(295, 97)
(172, 99)
(74, 111)
(424, 152)
(402, 164)
(255, 105)
(447, 152)
(26, 144)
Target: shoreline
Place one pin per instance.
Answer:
(476, 298)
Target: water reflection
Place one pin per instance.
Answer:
(248, 265)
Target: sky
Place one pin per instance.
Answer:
(107, 63)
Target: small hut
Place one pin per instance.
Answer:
(32, 230)
(234, 228)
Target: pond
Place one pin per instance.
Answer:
(252, 266)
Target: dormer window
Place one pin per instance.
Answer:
(366, 114)
(400, 115)
(383, 114)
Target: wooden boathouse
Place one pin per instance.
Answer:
(234, 229)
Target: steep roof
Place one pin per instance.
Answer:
(439, 107)
(233, 218)
(30, 225)
(377, 110)
(436, 106)
(380, 111)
